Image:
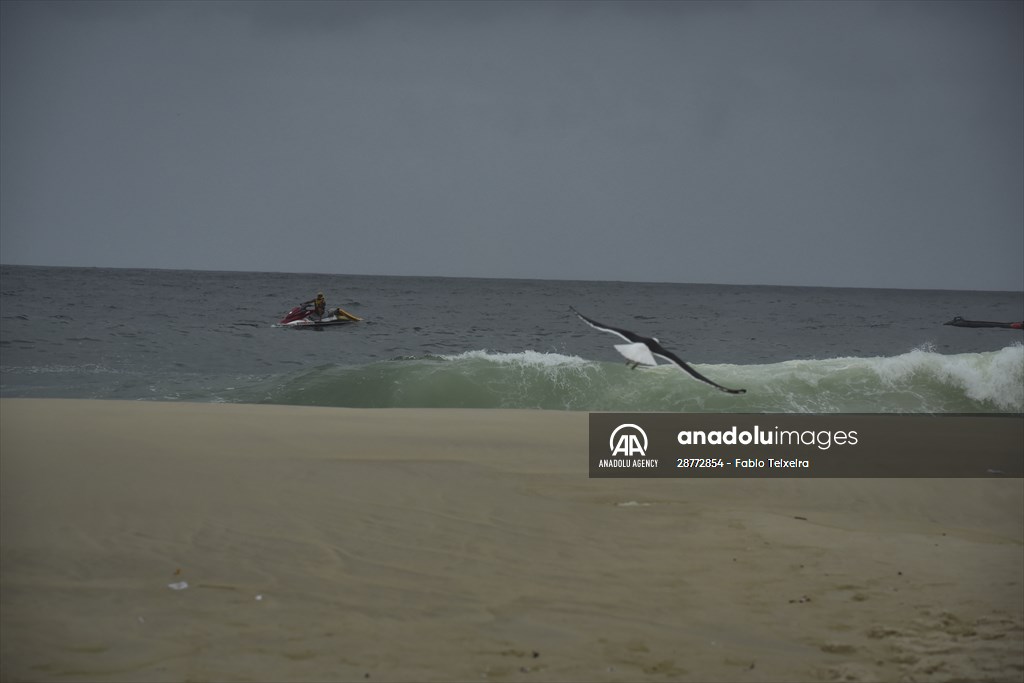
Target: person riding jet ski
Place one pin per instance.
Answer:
(319, 305)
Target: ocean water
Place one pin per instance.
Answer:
(482, 343)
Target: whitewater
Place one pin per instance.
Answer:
(915, 382)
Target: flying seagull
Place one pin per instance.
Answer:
(642, 350)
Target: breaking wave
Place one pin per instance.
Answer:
(920, 381)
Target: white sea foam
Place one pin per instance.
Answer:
(996, 377)
(524, 358)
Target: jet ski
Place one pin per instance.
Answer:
(303, 317)
(960, 322)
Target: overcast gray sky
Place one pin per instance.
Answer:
(812, 143)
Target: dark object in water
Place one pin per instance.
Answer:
(960, 322)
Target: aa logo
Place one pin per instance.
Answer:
(628, 440)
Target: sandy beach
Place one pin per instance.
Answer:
(323, 544)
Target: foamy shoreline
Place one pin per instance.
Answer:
(332, 544)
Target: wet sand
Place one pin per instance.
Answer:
(323, 544)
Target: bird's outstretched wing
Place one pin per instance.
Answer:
(660, 351)
(619, 332)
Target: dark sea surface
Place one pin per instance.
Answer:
(454, 342)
